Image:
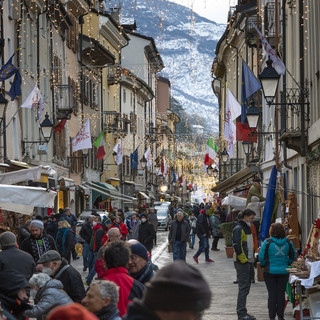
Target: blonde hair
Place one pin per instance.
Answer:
(63, 224)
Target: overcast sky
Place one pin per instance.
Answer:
(216, 10)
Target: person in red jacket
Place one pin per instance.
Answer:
(117, 259)
(122, 227)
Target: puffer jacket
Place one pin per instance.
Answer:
(276, 255)
(215, 225)
(185, 231)
(48, 297)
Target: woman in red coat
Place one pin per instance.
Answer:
(122, 227)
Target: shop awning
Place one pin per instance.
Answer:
(22, 175)
(235, 180)
(29, 196)
(144, 195)
(66, 182)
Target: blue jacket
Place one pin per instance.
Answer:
(215, 225)
(278, 257)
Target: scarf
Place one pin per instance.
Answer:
(64, 232)
(39, 247)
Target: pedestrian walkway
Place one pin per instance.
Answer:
(220, 276)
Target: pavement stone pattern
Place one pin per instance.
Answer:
(220, 276)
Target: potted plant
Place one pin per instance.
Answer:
(226, 229)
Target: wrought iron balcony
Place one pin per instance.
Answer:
(63, 101)
(226, 170)
(112, 121)
(114, 74)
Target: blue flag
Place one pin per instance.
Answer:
(173, 176)
(249, 85)
(134, 159)
(6, 72)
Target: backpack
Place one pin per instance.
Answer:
(269, 241)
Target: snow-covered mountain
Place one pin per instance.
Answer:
(186, 42)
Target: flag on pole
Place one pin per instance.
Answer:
(57, 129)
(118, 150)
(134, 159)
(177, 177)
(164, 167)
(211, 152)
(249, 86)
(233, 110)
(244, 133)
(34, 100)
(174, 178)
(100, 144)
(148, 156)
(277, 62)
(83, 138)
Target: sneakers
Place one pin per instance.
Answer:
(247, 317)
(209, 260)
(195, 259)
(84, 269)
(215, 249)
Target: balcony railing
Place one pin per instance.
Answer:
(227, 170)
(112, 121)
(114, 74)
(63, 101)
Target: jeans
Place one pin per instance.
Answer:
(92, 272)
(85, 254)
(204, 245)
(276, 285)
(243, 278)
(179, 250)
(193, 239)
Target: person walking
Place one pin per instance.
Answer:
(146, 232)
(178, 236)
(203, 230)
(243, 257)
(153, 219)
(193, 227)
(24, 232)
(135, 229)
(64, 240)
(275, 255)
(215, 226)
(73, 224)
(85, 234)
(12, 258)
(38, 242)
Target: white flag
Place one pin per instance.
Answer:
(118, 150)
(83, 138)
(277, 62)
(164, 167)
(148, 156)
(233, 110)
(34, 100)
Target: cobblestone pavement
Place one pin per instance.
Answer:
(220, 275)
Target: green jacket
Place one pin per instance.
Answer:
(253, 191)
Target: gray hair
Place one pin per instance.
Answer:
(39, 280)
(111, 231)
(109, 290)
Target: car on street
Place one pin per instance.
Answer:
(87, 213)
(164, 218)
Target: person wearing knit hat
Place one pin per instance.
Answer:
(177, 291)
(71, 311)
(139, 266)
(12, 258)
(38, 242)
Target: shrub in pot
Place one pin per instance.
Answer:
(226, 229)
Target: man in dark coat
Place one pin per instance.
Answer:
(85, 233)
(38, 242)
(203, 230)
(159, 301)
(24, 232)
(59, 269)
(12, 258)
(178, 236)
(146, 232)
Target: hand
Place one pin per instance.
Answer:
(204, 234)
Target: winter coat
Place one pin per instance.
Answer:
(254, 191)
(203, 224)
(86, 232)
(153, 219)
(73, 221)
(37, 247)
(108, 313)
(193, 225)
(52, 228)
(65, 238)
(123, 229)
(13, 258)
(48, 297)
(185, 231)
(145, 274)
(71, 280)
(138, 311)
(98, 234)
(280, 254)
(129, 288)
(23, 233)
(215, 225)
(255, 205)
(135, 231)
(146, 235)
(242, 241)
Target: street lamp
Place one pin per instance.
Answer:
(46, 128)
(224, 155)
(253, 114)
(180, 187)
(269, 79)
(143, 162)
(215, 172)
(163, 188)
(114, 154)
(210, 170)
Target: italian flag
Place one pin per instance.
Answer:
(100, 144)
(211, 152)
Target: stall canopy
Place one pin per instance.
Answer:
(144, 195)
(16, 198)
(235, 202)
(22, 175)
(107, 190)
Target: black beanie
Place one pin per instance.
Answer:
(177, 287)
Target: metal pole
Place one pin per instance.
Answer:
(276, 113)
